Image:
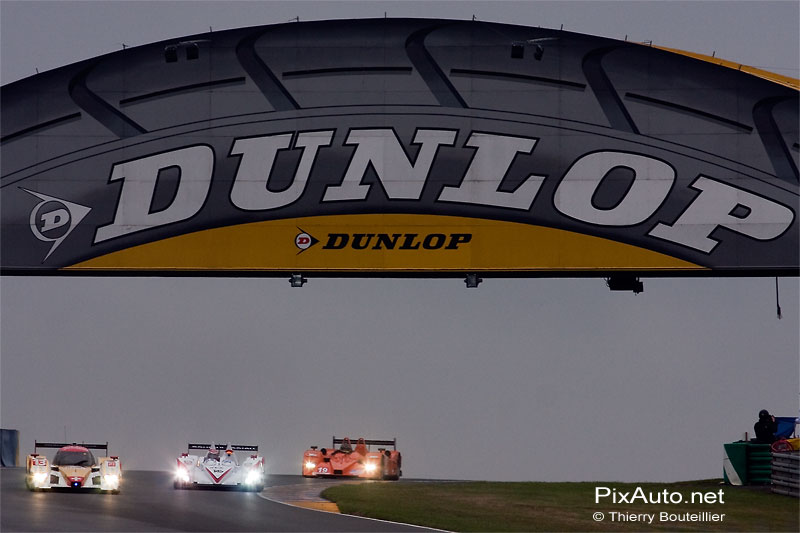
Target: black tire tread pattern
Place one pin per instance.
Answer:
(92, 90)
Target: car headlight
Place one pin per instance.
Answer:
(310, 465)
(39, 477)
(111, 479)
(370, 467)
(182, 475)
(253, 477)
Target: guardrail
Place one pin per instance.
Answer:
(786, 473)
(9, 447)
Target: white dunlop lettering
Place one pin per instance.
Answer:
(139, 177)
(486, 172)
(716, 207)
(249, 191)
(651, 185)
(381, 148)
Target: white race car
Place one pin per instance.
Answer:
(73, 467)
(220, 467)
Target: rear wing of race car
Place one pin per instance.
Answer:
(368, 442)
(37, 444)
(234, 447)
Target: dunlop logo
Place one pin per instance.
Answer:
(386, 241)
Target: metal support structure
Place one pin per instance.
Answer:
(625, 282)
(472, 280)
(297, 280)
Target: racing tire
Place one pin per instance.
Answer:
(177, 485)
(438, 73)
(593, 60)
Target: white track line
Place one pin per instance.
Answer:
(354, 516)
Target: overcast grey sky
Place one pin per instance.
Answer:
(516, 380)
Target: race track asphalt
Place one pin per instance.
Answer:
(148, 502)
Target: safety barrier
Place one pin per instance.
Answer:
(746, 463)
(759, 464)
(786, 473)
(9, 447)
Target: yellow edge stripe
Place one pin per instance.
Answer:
(329, 507)
(786, 81)
(494, 246)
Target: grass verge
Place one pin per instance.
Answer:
(495, 506)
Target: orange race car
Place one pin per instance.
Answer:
(358, 462)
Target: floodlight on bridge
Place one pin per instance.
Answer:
(625, 282)
(472, 281)
(297, 280)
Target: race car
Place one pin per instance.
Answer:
(220, 469)
(74, 467)
(359, 462)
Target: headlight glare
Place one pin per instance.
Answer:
(182, 475)
(111, 479)
(253, 477)
(310, 465)
(370, 467)
(39, 477)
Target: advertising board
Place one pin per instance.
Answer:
(399, 147)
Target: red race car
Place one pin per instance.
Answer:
(357, 462)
